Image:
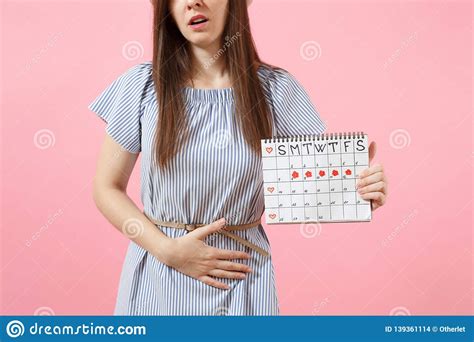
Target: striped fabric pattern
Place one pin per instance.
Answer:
(216, 175)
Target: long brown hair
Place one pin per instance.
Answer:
(172, 69)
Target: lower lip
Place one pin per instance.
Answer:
(198, 26)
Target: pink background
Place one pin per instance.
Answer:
(400, 71)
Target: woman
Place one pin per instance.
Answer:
(197, 114)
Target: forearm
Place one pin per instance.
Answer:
(123, 214)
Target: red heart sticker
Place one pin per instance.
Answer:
(348, 172)
(269, 149)
(295, 174)
(335, 173)
(308, 174)
(272, 216)
(322, 173)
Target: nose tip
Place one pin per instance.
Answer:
(192, 3)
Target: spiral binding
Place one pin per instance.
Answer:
(317, 137)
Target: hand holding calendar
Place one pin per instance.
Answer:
(372, 182)
(313, 178)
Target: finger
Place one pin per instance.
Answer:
(376, 196)
(379, 186)
(375, 206)
(371, 170)
(206, 230)
(212, 282)
(226, 274)
(384, 179)
(219, 253)
(232, 266)
(372, 150)
(373, 178)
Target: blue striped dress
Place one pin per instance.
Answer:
(215, 175)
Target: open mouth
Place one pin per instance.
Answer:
(198, 21)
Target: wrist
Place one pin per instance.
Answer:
(164, 250)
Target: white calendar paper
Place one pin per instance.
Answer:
(312, 178)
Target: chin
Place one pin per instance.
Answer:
(202, 42)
